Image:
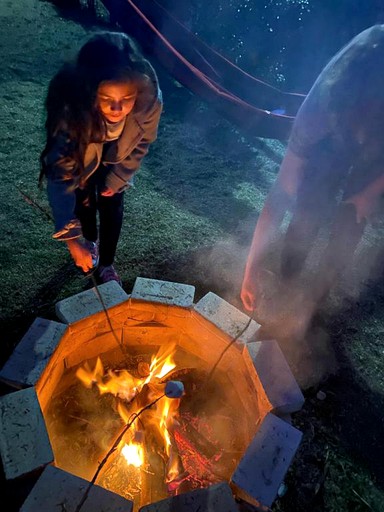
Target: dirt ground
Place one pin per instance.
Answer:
(190, 219)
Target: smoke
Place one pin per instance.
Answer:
(291, 310)
(220, 268)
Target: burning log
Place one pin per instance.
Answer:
(196, 464)
(125, 479)
(199, 442)
(113, 476)
(153, 488)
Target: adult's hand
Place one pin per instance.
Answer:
(248, 294)
(366, 205)
(368, 200)
(80, 254)
(250, 288)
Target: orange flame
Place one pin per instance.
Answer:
(122, 383)
(88, 376)
(161, 364)
(124, 386)
(163, 424)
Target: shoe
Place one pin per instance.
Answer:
(93, 248)
(107, 274)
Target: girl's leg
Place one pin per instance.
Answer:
(86, 211)
(111, 211)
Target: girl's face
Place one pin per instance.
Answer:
(115, 100)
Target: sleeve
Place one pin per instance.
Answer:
(59, 170)
(310, 127)
(120, 175)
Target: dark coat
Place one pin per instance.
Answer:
(121, 159)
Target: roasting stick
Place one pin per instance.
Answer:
(227, 348)
(112, 449)
(99, 296)
(29, 200)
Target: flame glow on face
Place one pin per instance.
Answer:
(116, 100)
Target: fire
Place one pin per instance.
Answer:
(163, 425)
(161, 364)
(122, 384)
(134, 454)
(87, 376)
(168, 417)
(125, 387)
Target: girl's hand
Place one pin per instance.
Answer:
(80, 254)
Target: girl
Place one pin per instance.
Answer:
(103, 112)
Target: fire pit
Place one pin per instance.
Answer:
(153, 400)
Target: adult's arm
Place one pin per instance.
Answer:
(310, 127)
(278, 202)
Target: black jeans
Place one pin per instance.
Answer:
(91, 206)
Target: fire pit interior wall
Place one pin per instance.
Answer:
(215, 421)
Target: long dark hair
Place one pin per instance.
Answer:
(71, 99)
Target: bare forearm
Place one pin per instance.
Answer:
(278, 202)
(268, 226)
